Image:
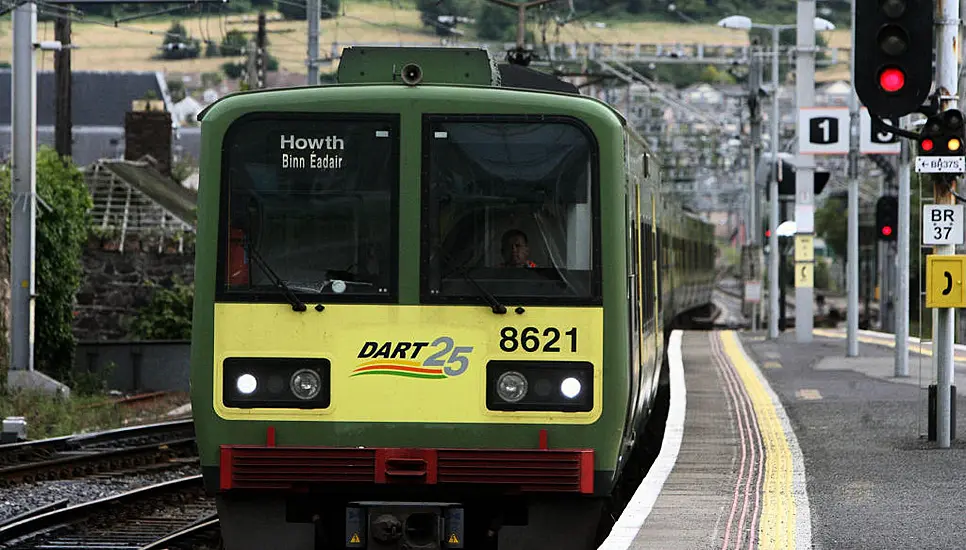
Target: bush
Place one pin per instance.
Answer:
(496, 23)
(233, 70)
(168, 315)
(62, 232)
(178, 45)
(234, 43)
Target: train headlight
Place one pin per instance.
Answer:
(246, 384)
(511, 386)
(276, 382)
(305, 384)
(570, 387)
(550, 386)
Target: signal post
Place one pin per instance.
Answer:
(893, 45)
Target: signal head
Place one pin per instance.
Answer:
(893, 54)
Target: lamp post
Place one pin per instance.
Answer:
(741, 22)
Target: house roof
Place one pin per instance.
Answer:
(162, 190)
(105, 142)
(99, 98)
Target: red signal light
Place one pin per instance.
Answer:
(886, 230)
(768, 232)
(892, 80)
(927, 145)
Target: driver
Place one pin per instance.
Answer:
(515, 249)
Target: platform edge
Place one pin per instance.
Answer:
(629, 524)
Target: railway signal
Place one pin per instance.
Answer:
(893, 54)
(943, 135)
(886, 218)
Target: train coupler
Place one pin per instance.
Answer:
(404, 525)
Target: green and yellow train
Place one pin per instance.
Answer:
(430, 306)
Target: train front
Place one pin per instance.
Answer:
(399, 322)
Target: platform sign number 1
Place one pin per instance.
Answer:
(942, 224)
(824, 130)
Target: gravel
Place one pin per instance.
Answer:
(23, 498)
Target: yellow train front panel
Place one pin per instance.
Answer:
(394, 363)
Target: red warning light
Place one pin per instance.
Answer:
(892, 80)
(927, 145)
(886, 230)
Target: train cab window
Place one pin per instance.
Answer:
(311, 200)
(509, 210)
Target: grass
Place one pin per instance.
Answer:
(49, 416)
(132, 46)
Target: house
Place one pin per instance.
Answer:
(185, 112)
(100, 100)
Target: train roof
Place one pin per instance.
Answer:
(467, 67)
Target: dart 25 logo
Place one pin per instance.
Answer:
(440, 359)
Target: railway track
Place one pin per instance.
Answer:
(173, 514)
(120, 451)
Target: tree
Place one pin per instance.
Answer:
(430, 10)
(62, 231)
(496, 23)
(178, 44)
(830, 225)
(234, 43)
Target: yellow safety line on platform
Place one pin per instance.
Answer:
(913, 346)
(777, 525)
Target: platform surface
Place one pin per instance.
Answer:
(873, 479)
(776, 444)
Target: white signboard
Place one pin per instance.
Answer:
(823, 130)
(941, 165)
(804, 218)
(872, 141)
(752, 292)
(942, 224)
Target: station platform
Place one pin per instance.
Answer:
(776, 444)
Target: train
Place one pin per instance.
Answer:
(430, 308)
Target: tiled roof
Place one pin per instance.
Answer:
(97, 98)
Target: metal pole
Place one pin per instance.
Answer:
(313, 13)
(902, 278)
(947, 85)
(774, 253)
(805, 169)
(24, 185)
(853, 223)
(63, 135)
(754, 225)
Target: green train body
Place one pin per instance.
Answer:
(386, 369)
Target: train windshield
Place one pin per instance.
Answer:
(312, 201)
(508, 209)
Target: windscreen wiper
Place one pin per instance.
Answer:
(297, 304)
(495, 304)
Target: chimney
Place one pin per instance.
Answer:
(147, 131)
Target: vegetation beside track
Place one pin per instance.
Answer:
(49, 416)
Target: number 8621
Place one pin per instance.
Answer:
(531, 339)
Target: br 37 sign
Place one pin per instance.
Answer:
(942, 224)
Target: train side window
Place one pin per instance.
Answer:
(648, 270)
